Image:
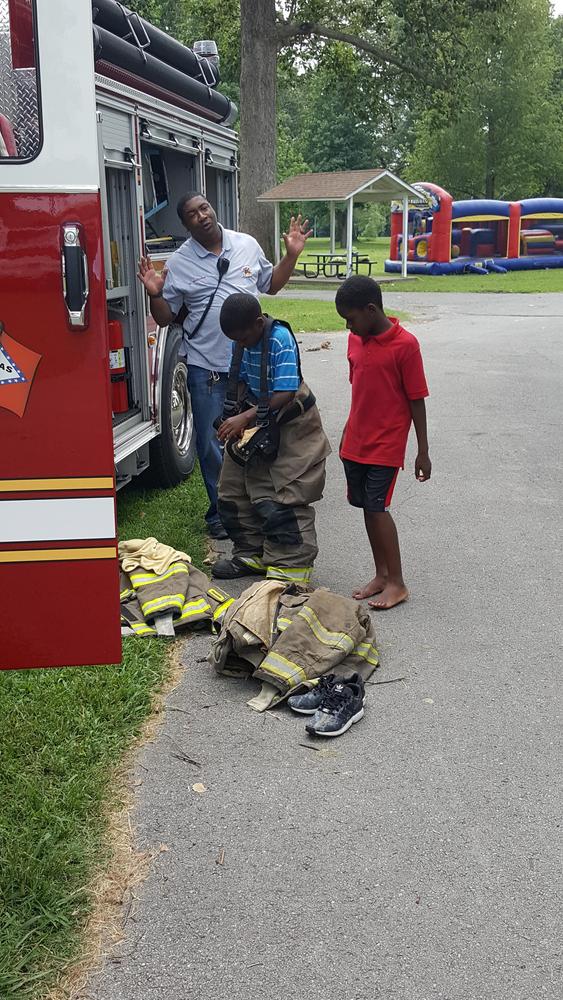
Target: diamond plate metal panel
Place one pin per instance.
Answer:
(18, 96)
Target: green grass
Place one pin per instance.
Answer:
(173, 516)
(550, 280)
(514, 281)
(309, 315)
(61, 733)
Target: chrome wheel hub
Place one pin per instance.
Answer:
(181, 410)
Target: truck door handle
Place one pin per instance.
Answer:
(74, 267)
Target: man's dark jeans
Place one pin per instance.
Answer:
(207, 396)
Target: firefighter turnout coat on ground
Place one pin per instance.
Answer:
(287, 637)
(158, 582)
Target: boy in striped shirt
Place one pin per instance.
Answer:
(265, 505)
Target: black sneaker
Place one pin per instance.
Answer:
(342, 706)
(232, 569)
(217, 531)
(310, 701)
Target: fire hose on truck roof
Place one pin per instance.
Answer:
(134, 52)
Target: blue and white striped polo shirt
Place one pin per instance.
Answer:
(283, 363)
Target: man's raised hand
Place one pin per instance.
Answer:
(151, 279)
(296, 236)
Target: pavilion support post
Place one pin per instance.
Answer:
(277, 233)
(332, 227)
(405, 244)
(349, 236)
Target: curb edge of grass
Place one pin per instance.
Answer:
(126, 866)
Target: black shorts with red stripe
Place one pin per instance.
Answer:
(370, 486)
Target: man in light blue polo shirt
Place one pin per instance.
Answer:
(218, 262)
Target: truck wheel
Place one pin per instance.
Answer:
(173, 452)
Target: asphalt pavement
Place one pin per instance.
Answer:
(418, 856)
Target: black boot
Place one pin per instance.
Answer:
(217, 531)
(232, 569)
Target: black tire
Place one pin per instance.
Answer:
(173, 452)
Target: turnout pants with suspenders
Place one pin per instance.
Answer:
(265, 501)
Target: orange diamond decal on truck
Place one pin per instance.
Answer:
(18, 365)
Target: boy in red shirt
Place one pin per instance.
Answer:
(388, 392)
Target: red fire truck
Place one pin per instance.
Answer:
(104, 122)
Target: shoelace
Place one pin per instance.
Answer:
(326, 683)
(335, 697)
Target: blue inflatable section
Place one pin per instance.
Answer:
(534, 206)
(479, 208)
(464, 265)
(480, 232)
(533, 263)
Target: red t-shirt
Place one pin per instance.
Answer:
(386, 372)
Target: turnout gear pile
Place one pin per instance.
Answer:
(148, 553)
(174, 590)
(287, 638)
(270, 478)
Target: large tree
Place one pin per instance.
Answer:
(503, 137)
(408, 49)
(308, 25)
(411, 48)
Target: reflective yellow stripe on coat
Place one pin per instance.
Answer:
(146, 579)
(368, 652)
(199, 606)
(220, 611)
(168, 602)
(291, 673)
(336, 640)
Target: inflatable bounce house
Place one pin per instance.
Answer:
(456, 237)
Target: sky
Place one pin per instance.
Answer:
(557, 6)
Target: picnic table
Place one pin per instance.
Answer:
(333, 265)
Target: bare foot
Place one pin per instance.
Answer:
(375, 586)
(392, 594)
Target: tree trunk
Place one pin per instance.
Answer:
(258, 56)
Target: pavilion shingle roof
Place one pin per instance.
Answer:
(330, 186)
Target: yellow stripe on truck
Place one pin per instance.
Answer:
(36, 485)
(56, 555)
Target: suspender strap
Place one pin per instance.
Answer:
(263, 411)
(296, 409)
(263, 408)
(222, 267)
(282, 322)
(231, 394)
